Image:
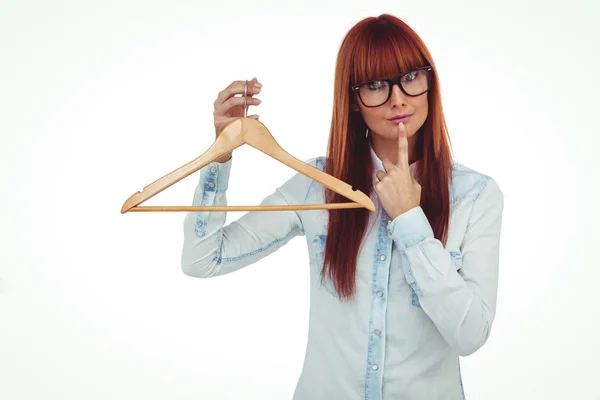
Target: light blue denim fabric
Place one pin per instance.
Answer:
(419, 305)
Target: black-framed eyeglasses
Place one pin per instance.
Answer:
(378, 92)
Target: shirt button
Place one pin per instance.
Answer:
(211, 184)
(213, 169)
(377, 332)
(382, 257)
(374, 367)
(379, 294)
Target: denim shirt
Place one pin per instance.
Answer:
(419, 305)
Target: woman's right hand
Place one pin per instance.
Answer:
(229, 107)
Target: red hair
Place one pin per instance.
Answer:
(377, 48)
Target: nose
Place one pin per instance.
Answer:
(397, 97)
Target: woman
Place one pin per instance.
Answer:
(406, 292)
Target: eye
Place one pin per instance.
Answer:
(411, 76)
(375, 85)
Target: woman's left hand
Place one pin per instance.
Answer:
(397, 190)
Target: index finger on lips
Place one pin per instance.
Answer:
(402, 147)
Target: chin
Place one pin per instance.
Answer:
(409, 131)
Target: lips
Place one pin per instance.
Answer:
(400, 118)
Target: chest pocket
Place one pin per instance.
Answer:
(318, 251)
(456, 261)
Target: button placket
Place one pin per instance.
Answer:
(379, 286)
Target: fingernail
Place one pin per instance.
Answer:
(258, 85)
(401, 125)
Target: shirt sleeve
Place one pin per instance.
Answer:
(461, 303)
(211, 249)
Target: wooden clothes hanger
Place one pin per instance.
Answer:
(249, 131)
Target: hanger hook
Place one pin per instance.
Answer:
(245, 99)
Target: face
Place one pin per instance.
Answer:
(380, 119)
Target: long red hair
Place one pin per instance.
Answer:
(377, 48)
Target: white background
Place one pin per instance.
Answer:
(100, 99)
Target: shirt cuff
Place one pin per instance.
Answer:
(410, 228)
(214, 177)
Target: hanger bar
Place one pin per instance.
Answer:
(248, 208)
